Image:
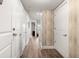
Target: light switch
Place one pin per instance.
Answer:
(1, 2)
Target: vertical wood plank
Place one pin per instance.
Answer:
(47, 28)
(72, 28)
(77, 41)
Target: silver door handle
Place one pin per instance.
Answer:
(14, 34)
(65, 35)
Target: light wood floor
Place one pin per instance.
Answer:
(46, 53)
(32, 50)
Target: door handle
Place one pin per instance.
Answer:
(14, 34)
(65, 35)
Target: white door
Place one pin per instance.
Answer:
(23, 33)
(16, 19)
(5, 29)
(19, 27)
(61, 29)
(11, 14)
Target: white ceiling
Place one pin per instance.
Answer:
(40, 4)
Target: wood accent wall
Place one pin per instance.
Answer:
(74, 28)
(77, 41)
(47, 28)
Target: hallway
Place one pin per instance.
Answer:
(39, 28)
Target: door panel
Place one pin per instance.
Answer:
(61, 29)
(5, 40)
(5, 16)
(5, 29)
(6, 52)
(23, 37)
(23, 32)
(14, 49)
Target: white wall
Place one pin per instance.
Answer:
(25, 29)
(61, 42)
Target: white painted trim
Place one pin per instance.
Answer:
(47, 47)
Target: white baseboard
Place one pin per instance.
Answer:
(47, 47)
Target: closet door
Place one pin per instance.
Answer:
(61, 29)
(17, 16)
